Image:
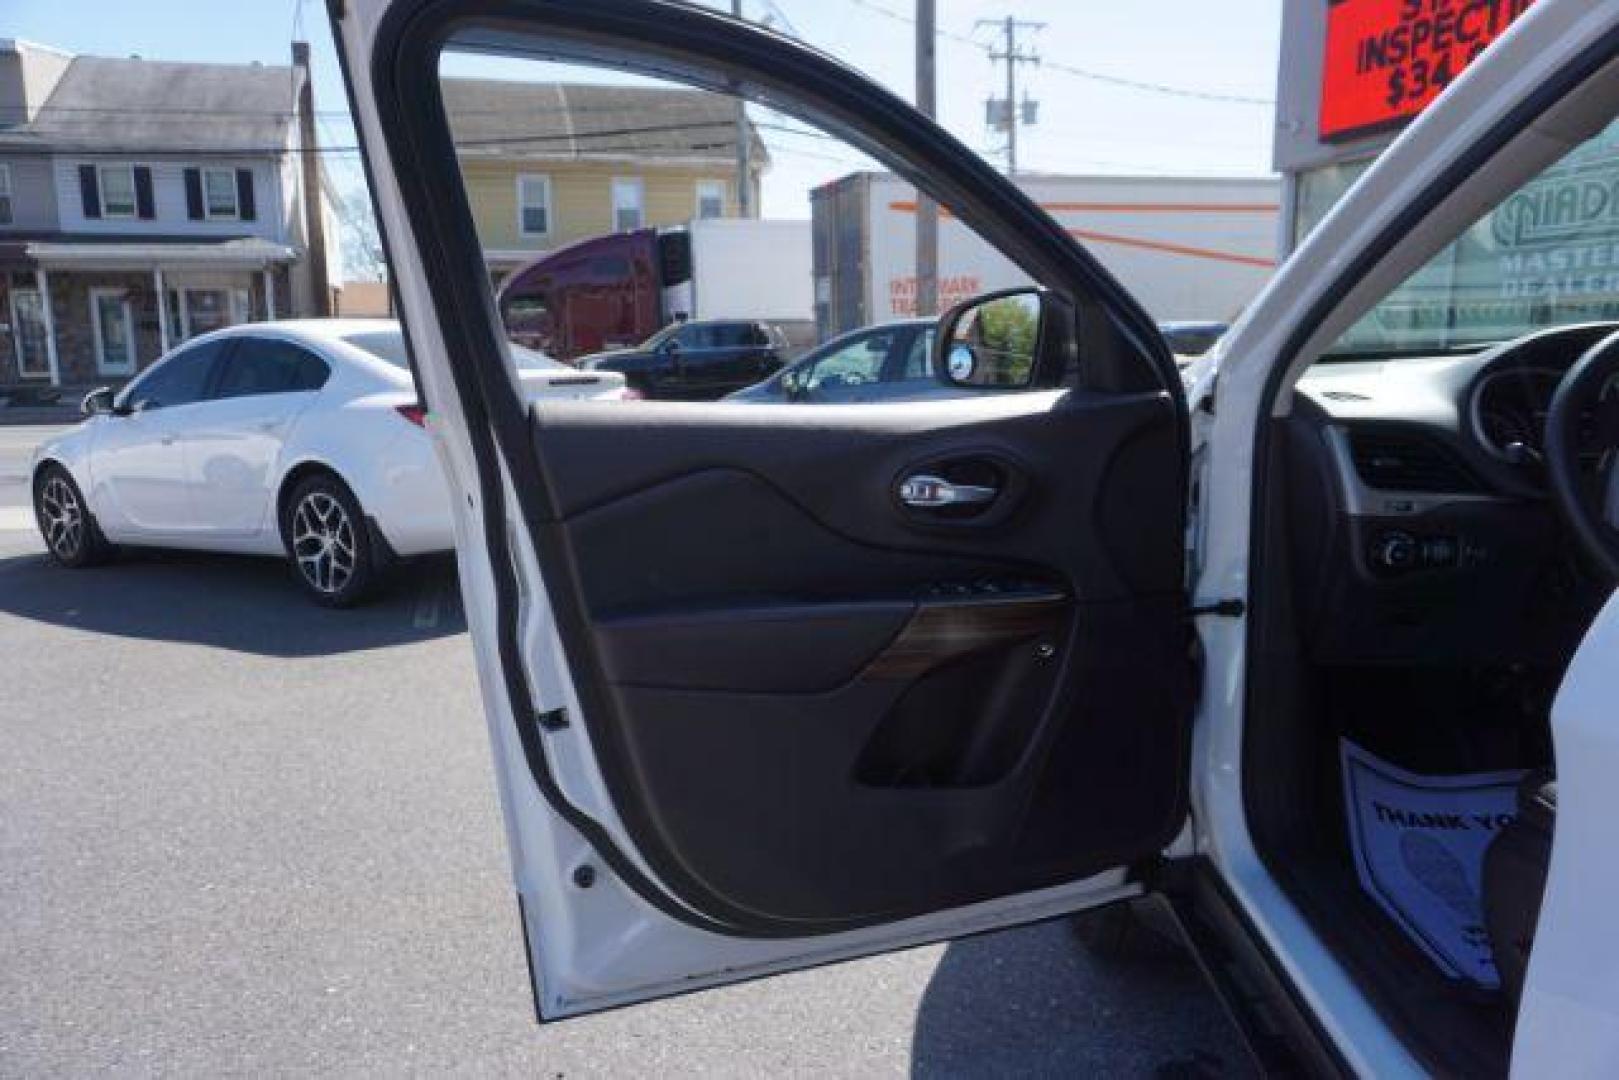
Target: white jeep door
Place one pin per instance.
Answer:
(771, 686)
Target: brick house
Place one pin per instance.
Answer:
(142, 203)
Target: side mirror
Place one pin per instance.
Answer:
(996, 341)
(98, 402)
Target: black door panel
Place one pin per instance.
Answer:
(918, 710)
(923, 757)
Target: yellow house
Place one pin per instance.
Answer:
(550, 164)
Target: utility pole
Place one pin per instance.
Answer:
(320, 299)
(927, 210)
(1006, 113)
(744, 146)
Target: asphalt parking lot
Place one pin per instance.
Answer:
(239, 834)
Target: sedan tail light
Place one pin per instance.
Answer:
(632, 393)
(415, 413)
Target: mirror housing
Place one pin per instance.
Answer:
(98, 402)
(1013, 339)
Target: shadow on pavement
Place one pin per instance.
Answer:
(1036, 1003)
(240, 603)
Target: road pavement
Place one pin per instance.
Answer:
(240, 834)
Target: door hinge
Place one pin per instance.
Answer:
(553, 719)
(1225, 609)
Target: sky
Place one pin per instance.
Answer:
(1089, 121)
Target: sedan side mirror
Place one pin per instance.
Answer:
(98, 402)
(1006, 340)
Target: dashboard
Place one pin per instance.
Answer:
(1419, 516)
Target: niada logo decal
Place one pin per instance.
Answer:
(1579, 205)
(1559, 235)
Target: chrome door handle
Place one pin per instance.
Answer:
(932, 492)
(166, 440)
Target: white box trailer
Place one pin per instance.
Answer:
(1189, 248)
(747, 269)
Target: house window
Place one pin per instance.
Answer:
(710, 199)
(628, 198)
(194, 311)
(117, 191)
(5, 194)
(533, 205)
(219, 193)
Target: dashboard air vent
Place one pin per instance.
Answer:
(1406, 461)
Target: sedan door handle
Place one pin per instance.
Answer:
(166, 440)
(925, 492)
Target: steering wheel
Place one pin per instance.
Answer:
(1580, 417)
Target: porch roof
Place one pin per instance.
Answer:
(155, 254)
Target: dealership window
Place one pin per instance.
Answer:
(629, 195)
(1319, 190)
(533, 205)
(1547, 255)
(5, 194)
(117, 191)
(710, 199)
(219, 190)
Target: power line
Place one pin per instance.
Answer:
(1079, 72)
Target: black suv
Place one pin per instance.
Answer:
(697, 361)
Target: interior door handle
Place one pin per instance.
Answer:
(925, 492)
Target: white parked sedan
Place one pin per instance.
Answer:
(304, 439)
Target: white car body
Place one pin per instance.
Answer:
(606, 946)
(208, 475)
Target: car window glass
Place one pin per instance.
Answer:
(179, 380)
(1541, 257)
(856, 364)
(919, 358)
(813, 260)
(270, 366)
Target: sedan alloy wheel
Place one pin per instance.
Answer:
(323, 542)
(61, 519)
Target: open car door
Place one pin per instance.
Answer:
(773, 685)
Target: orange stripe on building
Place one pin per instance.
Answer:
(908, 206)
(1172, 249)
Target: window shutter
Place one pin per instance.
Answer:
(90, 191)
(194, 194)
(143, 194)
(244, 195)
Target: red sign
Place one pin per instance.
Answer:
(1386, 60)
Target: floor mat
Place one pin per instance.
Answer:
(1419, 845)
